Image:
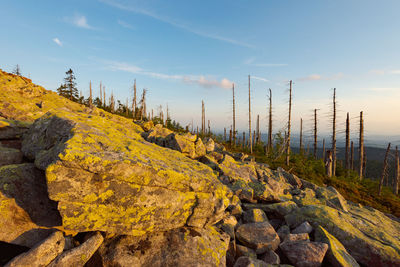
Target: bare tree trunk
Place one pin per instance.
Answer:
(104, 97)
(233, 116)
(289, 122)
(250, 143)
(203, 122)
(244, 140)
(397, 176)
(301, 135)
(323, 148)
(384, 170)
(101, 96)
(254, 139)
(258, 130)
(224, 135)
(328, 163)
(365, 163)
(334, 134)
(361, 148)
(209, 127)
(134, 105)
(126, 108)
(230, 135)
(352, 156)
(90, 95)
(347, 158)
(269, 149)
(315, 133)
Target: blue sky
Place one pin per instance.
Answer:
(186, 51)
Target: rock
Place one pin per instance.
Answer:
(259, 236)
(236, 210)
(10, 156)
(158, 135)
(147, 125)
(41, 254)
(25, 206)
(209, 145)
(270, 257)
(78, 256)
(105, 177)
(290, 178)
(249, 262)
(228, 225)
(10, 129)
(178, 247)
(369, 236)
(9, 251)
(332, 198)
(254, 215)
(305, 227)
(304, 253)
(283, 231)
(277, 209)
(219, 147)
(277, 185)
(245, 251)
(296, 237)
(231, 254)
(337, 254)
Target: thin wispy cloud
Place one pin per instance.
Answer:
(199, 80)
(79, 21)
(260, 79)
(382, 72)
(125, 24)
(57, 41)
(318, 77)
(251, 62)
(172, 22)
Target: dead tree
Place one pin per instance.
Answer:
(328, 163)
(250, 143)
(101, 96)
(90, 95)
(364, 163)
(209, 127)
(397, 176)
(134, 100)
(315, 133)
(143, 105)
(301, 135)
(384, 170)
(258, 130)
(126, 108)
(244, 140)
(104, 96)
(334, 134)
(323, 148)
(352, 156)
(269, 149)
(224, 135)
(230, 135)
(361, 146)
(112, 103)
(203, 120)
(347, 158)
(289, 122)
(233, 115)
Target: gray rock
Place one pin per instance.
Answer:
(305, 227)
(78, 256)
(41, 254)
(249, 262)
(245, 251)
(10, 156)
(270, 257)
(283, 231)
(304, 253)
(259, 236)
(12, 129)
(254, 215)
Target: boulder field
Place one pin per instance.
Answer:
(82, 187)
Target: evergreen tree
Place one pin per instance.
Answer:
(71, 90)
(62, 90)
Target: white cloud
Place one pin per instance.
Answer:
(79, 21)
(125, 24)
(260, 78)
(174, 23)
(200, 80)
(57, 41)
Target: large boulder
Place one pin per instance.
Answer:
(178, 247)
(304, 253)
(105, 177)
(10, 129)
(10, 156)
(259, 236)
(25, 207)
(337, 254)
(369, 236)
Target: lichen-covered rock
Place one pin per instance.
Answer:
(10, 156)
(42, 254)
(369, 236)
(304, 253)
(178, 247)
(289, 177)
(245, 251)
(10, 129)
(105, 177)
(25, 206)
(259, 236)
(209, 145)
(254, 215)
(78, 256)
(296, 237)
(245, 261)
(280, 209)
(337, 253)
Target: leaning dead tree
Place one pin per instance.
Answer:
(289, 122)
(347, 154)
(233, 116)
(361, 146)
(334, 134)
(301, 135)
(397, 176)
(250, 143)
(269, 145)
(315, 133)
(384, 171)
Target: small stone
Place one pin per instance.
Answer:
(305, 227)
(259, 236)
(304, 253)
(283, 231)
(296, 237)
(270, 257)
(254, 215)
(245, 251)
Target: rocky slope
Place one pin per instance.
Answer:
(80, 186)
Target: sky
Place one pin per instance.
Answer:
(187, 51)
